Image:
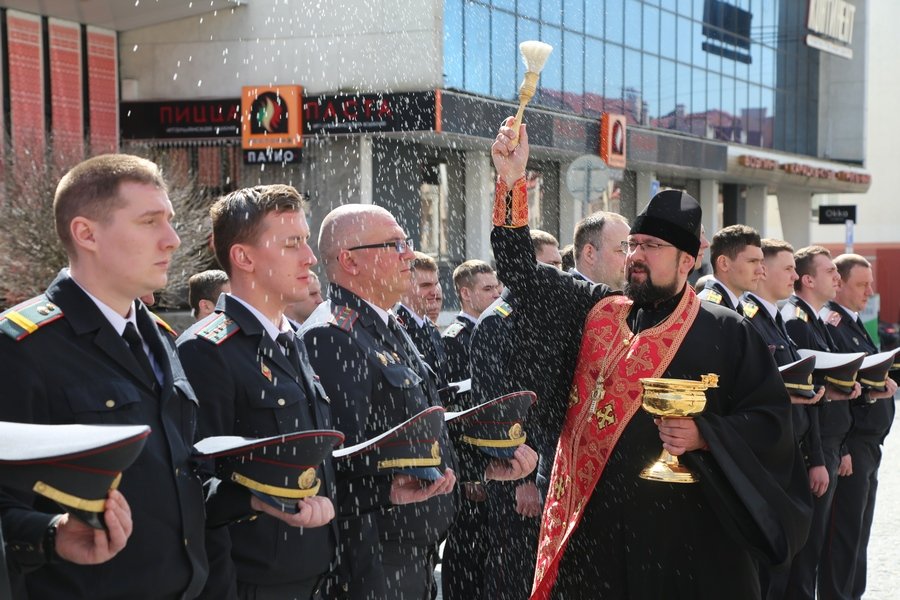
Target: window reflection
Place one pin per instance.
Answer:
(433, 195)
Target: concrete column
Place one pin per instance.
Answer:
(570, 209)
(365, 170)
(479, 203)
(709, 203)
(642, 187)
(756, 209)
(795, 206)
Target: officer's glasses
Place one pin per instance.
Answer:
(400, 246)
(629, 247)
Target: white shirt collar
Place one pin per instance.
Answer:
(577, 272)
(383, 314)
(734, 299)
(852, 313)
(270, 327)
(420, 322)
(115, 319)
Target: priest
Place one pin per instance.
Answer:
(605, 531)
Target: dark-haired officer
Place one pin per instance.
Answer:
(253, 380)
(736, 258)
(88, 351)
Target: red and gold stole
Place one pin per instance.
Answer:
(606, 393)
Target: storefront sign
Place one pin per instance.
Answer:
(837, 214)
(181, 119)
(272, 117)
(808, 171)
(613, 139)
(831, 24)
(756, 162)
(362, 113)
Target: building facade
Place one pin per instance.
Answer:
(752, 106)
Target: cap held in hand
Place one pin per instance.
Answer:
(73, 465)
(279, 470)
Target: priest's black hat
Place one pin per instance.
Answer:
(837, 369)
(495, 426)
(873, 372)
(74, 465)
(279, 470)
(412, 447)
(673, 216)
(798, 377)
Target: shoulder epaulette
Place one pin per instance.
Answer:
(163, 324)
(343, 317)
(218, 329)
(713, 296)
(833, 318)
(503, 309)
(750, 309)
(454, 329)
(801, 314)
(24, 319)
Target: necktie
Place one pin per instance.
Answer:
(779, 321)
(285, 339)
(739, 308)
(133, 339)
(400, 337)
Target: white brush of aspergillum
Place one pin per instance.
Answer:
(534, 55)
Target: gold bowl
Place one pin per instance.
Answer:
(674, 398)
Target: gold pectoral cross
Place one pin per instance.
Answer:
(605, 416)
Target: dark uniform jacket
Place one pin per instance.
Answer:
(808, 331)
(457, 338)
(716, 293)
(754, 480)
(872, 419)
(784, 351)
(78, 369)
(248, 387)
(427, 340)
(376, 380)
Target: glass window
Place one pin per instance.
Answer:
(684, 40)
(551, 76)
(593, 18)
(509, 5)
(530, 8)
(551, 11)
(713, 92)
(667, 87)
(453, 44)
(683, 82)
(534, 183)
(573, 69)
(651, 85)
(728, 105)
(667, 35)
(651, 29)
(593, 75)
(615, 21)
(699, 104)
(504, 55)
(433, 194)
(573, 15)
(614, 71)
(477, 47)
(633, 26)
(767, 75)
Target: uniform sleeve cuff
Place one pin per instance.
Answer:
(510, 205)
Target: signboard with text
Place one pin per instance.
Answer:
(835, 214)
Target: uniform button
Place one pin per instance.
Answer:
(177, 472)
(281, 402)
(406, 381)
(110, 403)
(185, 541)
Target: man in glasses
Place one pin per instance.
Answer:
(604, 527)
(391, 524)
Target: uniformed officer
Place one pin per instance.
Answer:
(761, 309)
(204, 289)
(254, 380)
(462, 567)
(816, 285)
(390, 524)
(88, 351)
(842, 571)
(410, 312)
(736, 258)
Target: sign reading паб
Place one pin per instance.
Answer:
(837, 214)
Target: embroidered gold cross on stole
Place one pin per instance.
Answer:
(605, 414)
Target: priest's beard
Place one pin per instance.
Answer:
(646, 292)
